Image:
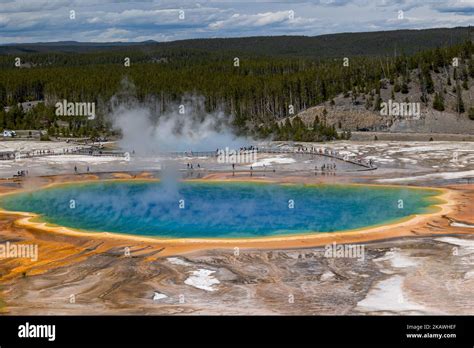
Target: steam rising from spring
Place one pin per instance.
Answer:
(147, 130)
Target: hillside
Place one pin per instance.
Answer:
(323, 46)
(337, 45)
(357, 112)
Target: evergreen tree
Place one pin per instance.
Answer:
(460, 103)
(471, 113)
(438, 102)
(404, 88)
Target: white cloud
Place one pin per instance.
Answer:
(135, 16)
(112, 35)
(48, 20)
(252, 20)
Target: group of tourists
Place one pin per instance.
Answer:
(191, 167)
(327, 152)
(76, 171)
(242, 149)
(21, 173)
(326, 169)
(248, 148)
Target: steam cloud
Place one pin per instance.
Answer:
(183, 127)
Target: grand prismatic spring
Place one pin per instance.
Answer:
(220, 210)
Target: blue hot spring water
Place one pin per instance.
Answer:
(225, 210)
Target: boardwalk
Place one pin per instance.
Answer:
(83, 151)
(319, 152)
(95, 151)
(312, 151)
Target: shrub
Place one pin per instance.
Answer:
(471, 113)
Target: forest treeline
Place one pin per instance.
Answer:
(256, 90)
(376, 43)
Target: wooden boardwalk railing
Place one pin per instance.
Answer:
(91, 151)
(295, 150)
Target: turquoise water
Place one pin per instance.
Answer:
(218, 209)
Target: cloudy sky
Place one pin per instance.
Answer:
(167, 20)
